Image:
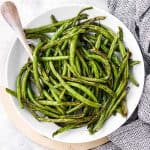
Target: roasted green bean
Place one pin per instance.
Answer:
(79, 73)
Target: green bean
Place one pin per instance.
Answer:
(56, 97)
(35, 66)
(99, 124)
(107, 66)
(72, 70)
(119, 110)
(122, 48)
(56, 35)
(82, 61)
(112, 48)
(80, 12)
(90, 42)
(52, 80)
(106, 89)
(55, 94)
(45, 112)
(39, 97)
(33, 112)
(120, 33)
(74, 116)
(54, 58)
(100, 70)
(95, 70)
(92, 121)
(44, 29)
(115, 71)
(124, 107)
(68, 120)
(24, 83)
(133, 62)
(13, 93)
(119, 89)
(51, 27)
(60, 30)
(73, 92)
(90, 79)
(86, 111)
(83, 88)
(46, 63)
(97, 92)
(133, 80)
(53, 103)
(43, 72)
(53, 115)
(96, 73)
(115, 58)
(100, 86)
(105, 42)
(77, 65)
(98, 42)
(112, 33)
(101, 30)
(117, 102)
(30, 95)
(53, 19)
(45, 93)
(68, 73)
(75, 108)
(64, 69)
(58, 42)
(92, 20)
(43, 37)
(84, 9)
(50, 86)
(73, 49)
(91, 37)
(121, 70)
(63, 129)
(62, 94)
(18, 90)
(64, 45)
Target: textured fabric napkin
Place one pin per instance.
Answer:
(135, 135)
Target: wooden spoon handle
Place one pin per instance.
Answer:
(10, 13)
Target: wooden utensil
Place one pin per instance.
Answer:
(10, 13)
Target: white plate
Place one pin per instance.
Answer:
(18, 57)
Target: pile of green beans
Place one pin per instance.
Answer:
(79, 73)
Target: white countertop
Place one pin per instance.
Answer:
(10, 137)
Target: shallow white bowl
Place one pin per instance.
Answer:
(17, 57)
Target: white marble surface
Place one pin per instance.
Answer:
(10, 137)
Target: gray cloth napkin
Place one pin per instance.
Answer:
(135, 135)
